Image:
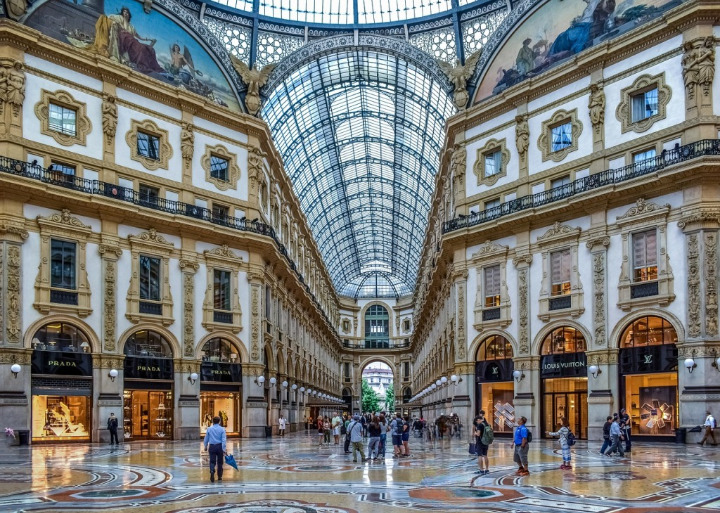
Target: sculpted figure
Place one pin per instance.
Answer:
(109, 117)
(690, 69)
(255, 165)
(597, 107)
(522, 136)
(706, 64)
(254, 80)
(187, 144)
(459, 75)
(16, 87)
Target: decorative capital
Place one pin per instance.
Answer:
(700, 219)
(188, 266)
(603, 241)
(108, 251)
(522, 259)
(13, 231)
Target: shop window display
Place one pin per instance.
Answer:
(147, 414)
(498, 399)
(222, 404)
(57, 418)
(495, 387)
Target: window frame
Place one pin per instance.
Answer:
(223, 259)
(233, 170)
(152, 245)
(149, 128)
(491, 147)
(74, 244)
(63, 109)
(558, 238)
(488, 256)
(64, 100)
(643, 83)
(545, 141)
(153, 141)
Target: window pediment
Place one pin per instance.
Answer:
(644, 212)
(559, 234)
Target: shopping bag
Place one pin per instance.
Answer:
(230, 460)
(472, 449)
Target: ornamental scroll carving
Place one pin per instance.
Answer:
(523, 314)
(109, 307)
(255, 322)
(599, 297)
(711, 301)
(109, 118)
(461, 320)
(188, 317)
(13, 328)
(693, 285)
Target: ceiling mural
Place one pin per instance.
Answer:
(148, 42)
(558, 30)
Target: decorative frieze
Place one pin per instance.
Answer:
(109, 306)
(599, 298)
(710, 268)
(255, 322)
(13, 328)
(188, 268)
(693, 298)
(461, 341)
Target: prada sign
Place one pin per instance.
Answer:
(647, 359)
(62, 363)
(221, 371)
(568, 365)
(494, 370)
(139, 367)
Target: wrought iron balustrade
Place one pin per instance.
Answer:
(224, 317)
(150, 308)
(127, 195)
(645, 289)
(560, 303)
(588, 183)
(63, 297)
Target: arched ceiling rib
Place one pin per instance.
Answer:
(360, 130)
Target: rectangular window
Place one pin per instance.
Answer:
(148, 195)
(492, 203)
(62, 119)
(559, 182)
(560, 266)
(149, 278)
(148, 145)
(219, 168)
(644, 105)
(561, 136)
(62, 172)
(347, 369)
(644, 247)
(492, 286)
(643, 155)
(220, 212)
(222, 290)
(63, 264)
(406, 370)
(493, 163)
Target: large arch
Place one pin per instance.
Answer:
(242, 350)
(540, 337)
(93, 340)
(644, 312)
(482, 337)
(174, 345)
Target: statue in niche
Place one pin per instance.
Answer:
(522, 136)
(706, 65)
(16, 87)
(459, 75)
(597, 107)
(109, 117)
(187, 144)
(254, 79)
(255, 166)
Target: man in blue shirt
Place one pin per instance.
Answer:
(216, 438)
(356, 435)
(521, 447)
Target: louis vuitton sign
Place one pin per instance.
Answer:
(648, 359)
(494, 370)
(567, 365)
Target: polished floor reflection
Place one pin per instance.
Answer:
(294, 475)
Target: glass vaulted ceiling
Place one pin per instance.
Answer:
(360, 134)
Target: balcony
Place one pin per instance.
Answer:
(377, 344)
(588, 183)
(224, 317)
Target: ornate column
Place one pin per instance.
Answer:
(256, 406)
(14, 389)
(700, 389)
(189, 267)
(529, 366)
(461, 400)
(603, 385)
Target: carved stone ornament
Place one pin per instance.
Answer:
(12, 86)
(162, 159)
(109, 306)
(644, 83)
(460, 344)
(459, 74)
(489, 248)
(188, 314)
(523, 312)
(109, 118)
(522, 259)
(560, 117)
(642, 209)
(458, 163)
(522, 136)
(11, 232)
(703, 218)
(63, 99)
(16, 9)
(151, 236)
(693, 263)
(64, 218)
(255, 322)
(599, 309)
(223, 251)
(559, 231)
(603, 241)
(13, 329)
(187, 144)
(254, 79)
(711, 295)
(698, 65)
(596, 106)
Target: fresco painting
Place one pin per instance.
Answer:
(560, 29)
(150, 43)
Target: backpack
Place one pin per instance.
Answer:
(529, 437)
(570, 439)
(488, 435)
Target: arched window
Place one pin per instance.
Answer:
(220, 350)
(377, 327)
(148, 343)
(648, 331)
(564, 340)
(407, 395)
(60, 336)
(494, 347)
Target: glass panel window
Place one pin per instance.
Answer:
(222, 290)
(219, 168)
(149, 278)
(559, 182)
(494, 347)
(643, 155)
(645, 105)
(148, 145)
(560, 265)
(492, 203)
(564, 340)
(561, 136)
(60, 418)
(220, 211)
(644, 248)
(63, 264)
(62, 119)
(493, 163)
(62, 172)
(492, 286)
(149, 194)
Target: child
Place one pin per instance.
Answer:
(563, 432)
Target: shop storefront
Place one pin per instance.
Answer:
(494, 386)
(61, 384)
(647, 370)
(564, 384)
(148, 394)
(220, 386)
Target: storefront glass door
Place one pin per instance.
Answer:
(147, 414)
(565, 397)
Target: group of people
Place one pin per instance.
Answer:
(615, 431)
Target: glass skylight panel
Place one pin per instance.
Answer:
(244, 5)
(309, 11)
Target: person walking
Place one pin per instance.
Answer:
(216, 444)
(562, 433)
(374, 443)
(480, 424)
(321, 434)
(383, 434)
(606, 434)
(615, 437)
(112, 425)
(281, 425)
(520, 441)
(327, 429)
(396, 435)
(406, 437)
(710, 425)
(625, 428)
(355, 430)
(336, 425)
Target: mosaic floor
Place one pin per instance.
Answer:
(293, 475)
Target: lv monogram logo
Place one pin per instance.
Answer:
(648, 358)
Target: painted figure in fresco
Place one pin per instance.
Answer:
(579, 36)
(116, 37)
(525, 60)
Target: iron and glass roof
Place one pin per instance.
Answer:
(360, 133)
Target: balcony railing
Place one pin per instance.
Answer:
(588, 183)
(64, 297)
(127, 195)
(377, 344)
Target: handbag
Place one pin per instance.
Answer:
(472, 449)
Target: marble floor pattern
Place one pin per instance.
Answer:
(294, 475)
